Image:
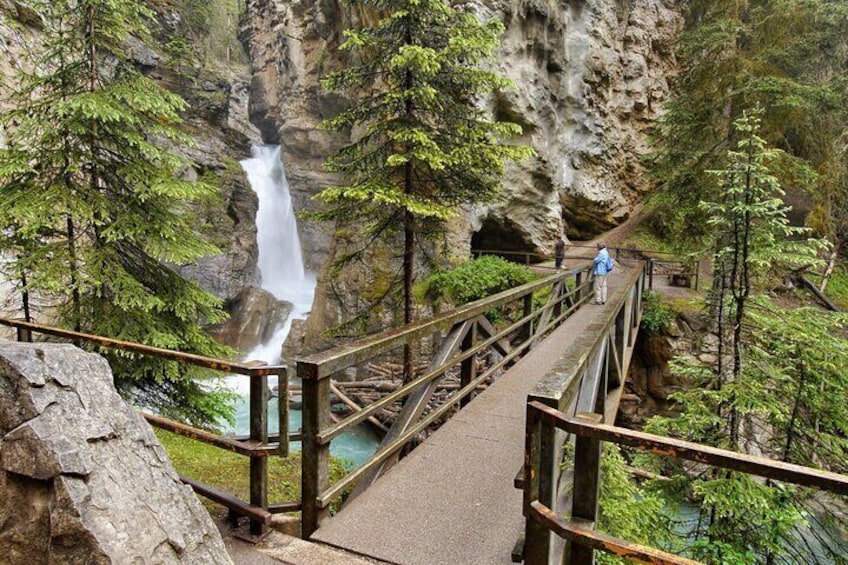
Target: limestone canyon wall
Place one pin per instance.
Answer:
(591, 80)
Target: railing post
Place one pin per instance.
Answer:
(527, 310)
(24, 335)
(283, 412)
(468, 368)
(587, 476)
(697, 274)
(539, 484)
(578, 281)
(651, 273)
(258, 434)
(561, 290)
(315, 459)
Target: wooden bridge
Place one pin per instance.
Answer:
(457, 498)
(487, 486)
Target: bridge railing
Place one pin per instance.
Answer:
(588, 378)
(658, 263)
(258, 445)
(464, 334)
(579, 530)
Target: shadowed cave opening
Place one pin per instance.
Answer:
(502, 234)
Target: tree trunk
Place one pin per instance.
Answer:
(831, 263)
(75, 293)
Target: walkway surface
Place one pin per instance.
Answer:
(452, 500)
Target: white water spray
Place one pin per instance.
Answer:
(280, 255)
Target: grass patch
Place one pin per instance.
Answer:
(229, 472)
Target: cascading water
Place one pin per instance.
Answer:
(283, 275)
(280, 255)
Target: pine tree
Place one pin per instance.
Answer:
(788, 56)
(93, 205)
(422, 146)
(741, 402)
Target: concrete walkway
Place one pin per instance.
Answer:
(452, 500)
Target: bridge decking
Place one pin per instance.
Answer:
(452, 500)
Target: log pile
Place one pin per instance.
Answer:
(383, 379)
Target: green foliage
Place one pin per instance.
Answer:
(753, 235)
(422, 146)
(656, 314)
(93, 206)
(773, 386)
(803, 356)
(627, 511)
(213, 27)
(475, 279)
(788, 56)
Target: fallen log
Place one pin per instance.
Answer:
(355, 407)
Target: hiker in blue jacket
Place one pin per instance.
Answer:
(603, 267)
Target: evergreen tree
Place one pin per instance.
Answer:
(423, 146)
(93, 205)
(741, 402)
(791, 58)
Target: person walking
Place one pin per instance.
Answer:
(559, 253)
(603, 267)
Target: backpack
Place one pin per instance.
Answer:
(609, 264)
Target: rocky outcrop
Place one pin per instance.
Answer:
(591, 77)
(650, 381)
(82, 477)
(254, 316)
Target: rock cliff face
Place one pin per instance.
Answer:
(591, 77)
(82, 477)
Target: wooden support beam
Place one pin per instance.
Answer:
(258, 434)
(468, 367)
(315, 459)
(256, 514)
(587, 483)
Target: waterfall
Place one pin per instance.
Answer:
(283, 275)
(280, 256)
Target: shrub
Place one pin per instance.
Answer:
(476, 279)
(656, 314)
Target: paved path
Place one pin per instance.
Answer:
(452, 500)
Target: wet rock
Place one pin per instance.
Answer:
(82, 477)
(255, 314)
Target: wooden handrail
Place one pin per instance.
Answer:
(321, 365)
(178, 356)
(589, 432)
(578, 532)
(679, 449)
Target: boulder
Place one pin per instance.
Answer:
(83, 479)
(255, 314)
